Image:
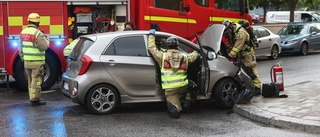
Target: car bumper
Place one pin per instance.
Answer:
(75, 88)
(289, 48)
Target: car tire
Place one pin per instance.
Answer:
(51, 70)
(274, 52)
(224, 92)
(304, 49)
(102, 99)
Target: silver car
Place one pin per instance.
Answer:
(269, 43)
(109, 69)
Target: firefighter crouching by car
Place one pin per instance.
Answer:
(244, 52)
(173, 68)
(32, 52)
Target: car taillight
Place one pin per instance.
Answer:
(86, 63)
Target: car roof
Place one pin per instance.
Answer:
(122, 33)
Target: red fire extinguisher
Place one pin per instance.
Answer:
(278, 75)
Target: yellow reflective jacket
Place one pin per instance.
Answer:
(174, 77)
(29, 49)
(69, 48)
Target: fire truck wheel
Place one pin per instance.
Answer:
(19, 75)
(51, 73)
(224, 92)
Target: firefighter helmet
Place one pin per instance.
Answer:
(172, 41)
(34, 17)
(227, 23)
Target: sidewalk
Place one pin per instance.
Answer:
(300, 111)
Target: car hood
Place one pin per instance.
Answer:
(212, 36)
(289, 37)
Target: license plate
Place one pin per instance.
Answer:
(65, 86)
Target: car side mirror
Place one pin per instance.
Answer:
(313, 33)
(211, 55)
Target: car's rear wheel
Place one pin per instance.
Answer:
(102, 99)
(304, 49)
(224, 91)
(274, 52)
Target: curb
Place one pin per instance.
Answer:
(268, 118)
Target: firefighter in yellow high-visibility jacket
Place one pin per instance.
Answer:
(68, 49)
(32, 52)
(173, 72)
(244, 52)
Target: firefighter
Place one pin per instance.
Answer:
(68, 49)
(173, 72)
(32, 52)
(243, 52)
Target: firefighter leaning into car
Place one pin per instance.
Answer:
(173, 72)
(243, 52)
(32, 52)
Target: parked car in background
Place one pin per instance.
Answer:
(109, 69)
(300, 38)
(255, 18)
(269, 43)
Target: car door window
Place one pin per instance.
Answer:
(263, 32)
(183, 47)
(256, 33)
(127, 46)
(313, 29)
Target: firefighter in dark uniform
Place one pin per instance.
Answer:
(243, 52)
(173, 68)
(32, 52)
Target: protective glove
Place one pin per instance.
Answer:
(152, 31)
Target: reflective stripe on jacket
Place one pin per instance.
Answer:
(171, 79)
(29, 49)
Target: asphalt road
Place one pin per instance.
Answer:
(61, 118)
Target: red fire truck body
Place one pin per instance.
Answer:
(63, 21)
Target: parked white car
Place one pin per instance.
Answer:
(269, 43)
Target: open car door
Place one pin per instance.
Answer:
(211, 37)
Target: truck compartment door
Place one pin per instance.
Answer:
(2, 47)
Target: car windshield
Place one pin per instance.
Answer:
(317, 16)
(294, 29)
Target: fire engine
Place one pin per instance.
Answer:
(63, 21)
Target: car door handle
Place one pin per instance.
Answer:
(182, 14)
(269, 39)
(259, 41)
(111, 62)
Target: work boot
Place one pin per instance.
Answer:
(173, 111)
(38, 103)
(257, 92)
(187, 106)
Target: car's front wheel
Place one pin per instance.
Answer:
(224, 92)
(102, 99)
(304, 49)
(274, 52)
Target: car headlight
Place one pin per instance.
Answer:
(291, 41)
